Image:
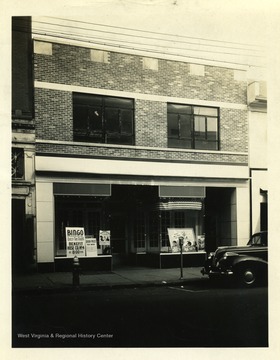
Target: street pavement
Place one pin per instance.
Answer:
(121, 277)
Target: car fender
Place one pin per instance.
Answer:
(249, 260)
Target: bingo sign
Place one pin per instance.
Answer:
(75, 241)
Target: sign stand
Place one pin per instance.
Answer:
(181, 243)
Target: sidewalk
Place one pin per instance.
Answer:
(123, 277)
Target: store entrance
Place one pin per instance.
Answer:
(22, 238)
(130, 221)
(220, 218)
(118, 227)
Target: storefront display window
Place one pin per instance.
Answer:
(137, 219)
(74, 212)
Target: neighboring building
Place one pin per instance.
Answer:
(139, 146)
(23, 147)
(257, 105)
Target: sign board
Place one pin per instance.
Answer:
(91, 247)
(75, 241)
(104, 237)
(187, 237)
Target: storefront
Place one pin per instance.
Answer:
(143, 214)
(139, 218)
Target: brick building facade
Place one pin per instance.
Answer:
(173, 156)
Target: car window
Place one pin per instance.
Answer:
(258, 239)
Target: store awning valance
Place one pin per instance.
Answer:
(82, 189)
(182, 191)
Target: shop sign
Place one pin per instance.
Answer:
(186, 235)
(104, 237)
(75, 241)
(91, 247)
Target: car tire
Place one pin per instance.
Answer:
(247, 276)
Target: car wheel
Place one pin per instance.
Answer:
(247, 276)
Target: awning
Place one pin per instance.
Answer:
(182, 191)
(82, 189)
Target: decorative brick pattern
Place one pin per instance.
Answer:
(73, 66)
(139, 154)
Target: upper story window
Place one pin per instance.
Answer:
(103, 119)
(193, 127)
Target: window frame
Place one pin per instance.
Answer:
(193, 139)
(103, 106)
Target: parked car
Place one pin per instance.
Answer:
(246, 265)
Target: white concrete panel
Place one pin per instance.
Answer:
(258, 140)
(243, 215)
(45, 252)
(45, 233)
(44, 191)
(240, 75)
(198, 70)
(150, 64)
(141, 168)
(44, 211)
(259, 181)
(41, 47)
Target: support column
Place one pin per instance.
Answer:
(243, 215)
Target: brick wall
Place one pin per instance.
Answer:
(70, 65)
(73, 66)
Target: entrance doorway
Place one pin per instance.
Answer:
(118, 228)
(22, 238)
(220, 218)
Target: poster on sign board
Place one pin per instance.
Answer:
(201, 242)
(75, 241)
(188, 239)
(104, 237)
(91, 247)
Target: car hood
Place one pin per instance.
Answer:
(235, 249)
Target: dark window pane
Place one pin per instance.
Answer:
(185, 126)
(173, 125)
(126, 140)
(112, 120)
(180, 144)
(95, 118)
(179, 109)
(103, 119)
(126, 122)
(206, 145)
(87, 99)
(118, 102)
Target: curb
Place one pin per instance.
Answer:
(81, 288)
